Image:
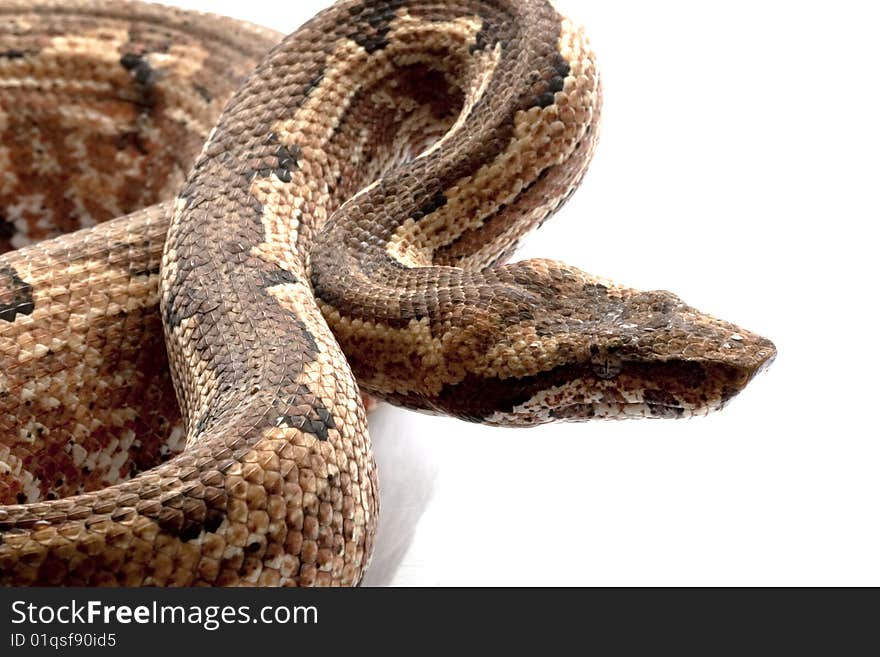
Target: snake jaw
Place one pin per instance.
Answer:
(670, 389)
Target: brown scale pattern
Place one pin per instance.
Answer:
(373, 171)
(114, 114)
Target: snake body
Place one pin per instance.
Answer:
(349, 215)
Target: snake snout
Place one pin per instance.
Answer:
(724, 357)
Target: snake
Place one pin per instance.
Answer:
(215, 239)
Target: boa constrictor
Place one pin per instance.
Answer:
(357, 195)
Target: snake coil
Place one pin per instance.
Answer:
(351, 211)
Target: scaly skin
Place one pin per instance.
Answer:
(372, 173)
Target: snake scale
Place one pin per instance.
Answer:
(348, 214)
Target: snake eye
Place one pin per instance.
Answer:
(606, 364)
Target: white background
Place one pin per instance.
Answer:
(739, 168)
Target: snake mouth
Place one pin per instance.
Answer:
(623, 389)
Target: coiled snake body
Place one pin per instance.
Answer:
(357, 196)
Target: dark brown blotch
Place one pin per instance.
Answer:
(558, 71)
(278, 276)
(288, 160)
(305, 411)
(433, 204)
(373, 22)
(204, 92)
(132, 139)
(483, 39)
(16, 296)
(145, 77)
(7, 232)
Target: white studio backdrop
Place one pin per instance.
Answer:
(738, 167)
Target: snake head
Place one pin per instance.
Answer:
(652, 355)
(600, 350)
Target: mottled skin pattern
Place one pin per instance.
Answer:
(370, 177)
